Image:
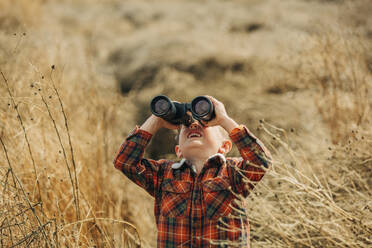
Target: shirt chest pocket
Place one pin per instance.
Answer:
(217, 197)
(175, 198)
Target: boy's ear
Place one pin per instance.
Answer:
(178, 151)
(225, 147)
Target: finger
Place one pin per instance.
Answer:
(210, 97)
(204, 123)
(213, 100)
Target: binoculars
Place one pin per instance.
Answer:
(174, 112)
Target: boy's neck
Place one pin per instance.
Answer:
(198, 163)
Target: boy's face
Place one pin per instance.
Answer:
(197, 142)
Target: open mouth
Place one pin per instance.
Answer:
(194, 134)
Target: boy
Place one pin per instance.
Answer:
(194, 198)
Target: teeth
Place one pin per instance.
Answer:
(194, 135)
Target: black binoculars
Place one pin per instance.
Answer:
(174, 112)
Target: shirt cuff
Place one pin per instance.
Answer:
(139, 136)
(242, 137)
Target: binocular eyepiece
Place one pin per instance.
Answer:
(174, 112)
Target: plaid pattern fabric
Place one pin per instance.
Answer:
(197, 210)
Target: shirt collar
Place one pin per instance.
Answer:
(178, 165)
(215, 160)
(183, 161)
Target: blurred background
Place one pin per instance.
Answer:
(77, 76)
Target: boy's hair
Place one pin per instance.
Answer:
(223, 132)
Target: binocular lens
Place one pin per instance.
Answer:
(202, 107)
(161, 106)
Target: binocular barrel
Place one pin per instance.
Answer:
(171, 111)
(176, 113)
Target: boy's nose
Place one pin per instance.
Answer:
(194, 125)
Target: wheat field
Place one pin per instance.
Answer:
(77, 76)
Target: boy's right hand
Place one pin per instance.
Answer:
(154, 123)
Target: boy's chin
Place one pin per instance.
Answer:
(195, 148)
(193, 145)
(194, 142)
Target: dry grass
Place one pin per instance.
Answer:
(63, 117)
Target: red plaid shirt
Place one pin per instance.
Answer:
(197, 210)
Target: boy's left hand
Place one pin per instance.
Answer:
(221, 118)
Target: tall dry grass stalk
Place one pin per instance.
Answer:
(24, 238)
(32, 225)
(314, 202)
(73, 207)
(25, 135)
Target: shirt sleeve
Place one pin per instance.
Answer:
(129, 159)
(255, 159)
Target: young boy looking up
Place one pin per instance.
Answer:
(194, 198)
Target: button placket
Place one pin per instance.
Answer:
(195, 218)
